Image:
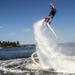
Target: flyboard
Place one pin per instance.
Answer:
(32, 57)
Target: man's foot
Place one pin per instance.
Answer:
(47, 19)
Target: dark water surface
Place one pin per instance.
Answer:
(11, 53)
(25, 52)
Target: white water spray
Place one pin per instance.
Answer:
(47, 51)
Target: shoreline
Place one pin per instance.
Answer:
(0, 47)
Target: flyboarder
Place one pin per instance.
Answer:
(51, 15)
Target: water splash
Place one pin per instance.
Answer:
(47, 51)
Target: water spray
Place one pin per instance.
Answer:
(32, 57)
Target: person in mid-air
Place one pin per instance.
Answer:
(52, 14)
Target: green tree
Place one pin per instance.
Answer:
(18, 44)
(0, 43)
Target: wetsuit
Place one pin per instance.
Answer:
(52, 13)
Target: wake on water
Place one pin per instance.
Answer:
(49, 56)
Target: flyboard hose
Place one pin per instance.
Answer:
(53, 32)
(32, 57)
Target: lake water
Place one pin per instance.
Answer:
(25, 52)
(11, 53)
(18, 57)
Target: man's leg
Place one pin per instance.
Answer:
(50, 20)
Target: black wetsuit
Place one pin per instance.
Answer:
(52, 13)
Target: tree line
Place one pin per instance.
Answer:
(8, 44)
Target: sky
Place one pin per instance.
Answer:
(18, 16)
